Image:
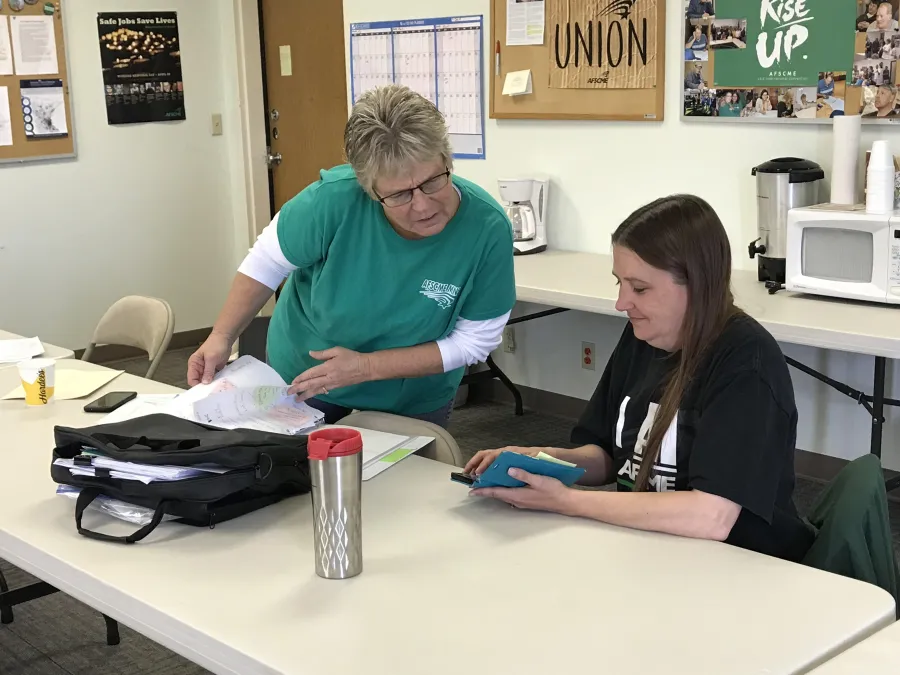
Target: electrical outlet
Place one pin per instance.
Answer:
(588, 355)
(509, 340)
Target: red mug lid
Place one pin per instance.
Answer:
(327, 443)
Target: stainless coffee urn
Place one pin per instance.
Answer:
(781, 185)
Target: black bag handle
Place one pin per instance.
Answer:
(87, 496)
(154, 444)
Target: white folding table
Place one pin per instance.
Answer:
(450, 582)
(50, 351)
(877, 655)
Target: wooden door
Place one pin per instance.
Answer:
(305, 78)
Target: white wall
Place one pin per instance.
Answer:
(602, 171)
(151, 209)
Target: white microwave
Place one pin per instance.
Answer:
(843, 252)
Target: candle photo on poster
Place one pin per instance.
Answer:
(141, 58)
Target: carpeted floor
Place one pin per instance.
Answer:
(57, 635)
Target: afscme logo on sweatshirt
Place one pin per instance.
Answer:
(662, 476)
(443, 294)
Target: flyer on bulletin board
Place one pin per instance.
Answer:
(141, 58)
(789, 61)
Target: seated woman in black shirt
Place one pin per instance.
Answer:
(694, 417)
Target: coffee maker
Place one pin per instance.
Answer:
(526, 208)
(782, 184)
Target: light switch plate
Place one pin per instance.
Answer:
(216, 124)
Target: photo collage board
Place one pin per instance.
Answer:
(789, 61)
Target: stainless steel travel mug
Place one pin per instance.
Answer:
(335, 462)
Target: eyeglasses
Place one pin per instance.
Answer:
(429, 187)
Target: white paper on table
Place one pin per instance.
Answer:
(73, 382)
(19, 349)
(246, 394)
(262, 408)
(6, 57)
(141, 406)
(525, 22)
(6, 137)
(835, 103)
(381, 450)
(243, 373)
(34, 45)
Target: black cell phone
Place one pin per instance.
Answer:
(463, 478)
(109, 402)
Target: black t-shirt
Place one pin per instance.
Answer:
(733, 436)
(784, 110)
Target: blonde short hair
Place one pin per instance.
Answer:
(390, 128)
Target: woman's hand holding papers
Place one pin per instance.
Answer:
(209, 359)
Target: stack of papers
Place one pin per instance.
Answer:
(246, 394)
(20, 349)
(145, 473)
(555, 460)
(382, 450)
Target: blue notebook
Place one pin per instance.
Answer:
(497, 474)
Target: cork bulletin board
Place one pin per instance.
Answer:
(600, 60)
(35, 106)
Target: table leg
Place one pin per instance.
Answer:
(500, 375)
(112, 631)
(878, 402)
(6, 613)
(494, 371)
(878, 405)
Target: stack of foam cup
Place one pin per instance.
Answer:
(880, 179)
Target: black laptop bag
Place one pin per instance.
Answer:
(265, 468)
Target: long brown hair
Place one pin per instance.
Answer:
(682, 235)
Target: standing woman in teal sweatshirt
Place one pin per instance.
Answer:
(399, 273)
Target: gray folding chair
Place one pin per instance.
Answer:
(136, 321)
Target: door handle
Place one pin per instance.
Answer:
(273, 159)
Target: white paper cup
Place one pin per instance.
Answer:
(881, 156)
(38, 380)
